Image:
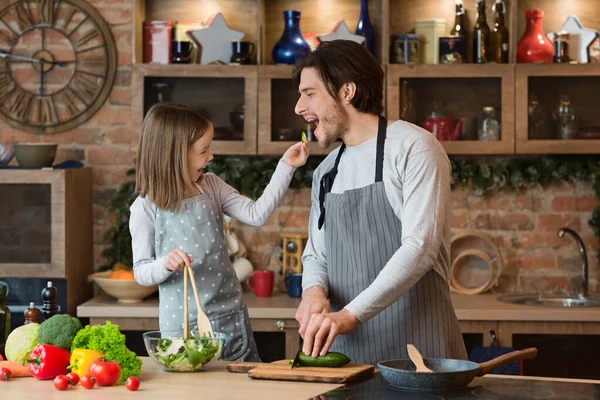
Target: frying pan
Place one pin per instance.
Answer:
(447, 373)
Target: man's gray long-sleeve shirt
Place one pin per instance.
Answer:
(416, 174)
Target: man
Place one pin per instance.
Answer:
(376, 264)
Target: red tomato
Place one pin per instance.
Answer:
(61, 382)
(132, 383)
(73, 378)
(105, 372)
(5, 374)
(88, 382)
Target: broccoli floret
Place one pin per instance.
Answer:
(59, 330)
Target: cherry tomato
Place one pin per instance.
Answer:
(132, 383)
(105, 372)
(61, 382)
(5, 374)
(88, 382)
(73, 378)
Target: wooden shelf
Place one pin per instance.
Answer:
(262, 22)
(404, 13)
(495, 82)
(555, 78)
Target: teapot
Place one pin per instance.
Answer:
(442, 127)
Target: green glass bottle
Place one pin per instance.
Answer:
(459, 28)
(4, 319)
(481, 36)
(499, 36)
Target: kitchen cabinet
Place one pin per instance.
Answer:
(46, 234)
(227, 97)
(270, 125)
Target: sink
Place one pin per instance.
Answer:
(545, 300)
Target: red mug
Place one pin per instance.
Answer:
(261, 283)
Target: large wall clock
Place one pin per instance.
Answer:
(58, 62)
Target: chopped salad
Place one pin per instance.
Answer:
(190, 354)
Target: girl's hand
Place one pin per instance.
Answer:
(178, 259)
(297, 155)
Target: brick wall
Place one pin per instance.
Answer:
(524, 224)
(103, 142)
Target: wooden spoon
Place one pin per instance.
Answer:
(416, 358)
(204, 325)
(186, 320)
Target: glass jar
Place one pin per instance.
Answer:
(561, 47)
(567, 124)
(488, 125)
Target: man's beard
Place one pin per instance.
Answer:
(337, 123)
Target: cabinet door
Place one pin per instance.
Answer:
(225, 94)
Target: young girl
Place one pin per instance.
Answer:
(177, 221)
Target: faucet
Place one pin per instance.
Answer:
(584, 261)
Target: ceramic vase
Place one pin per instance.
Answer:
(534, 46)
(291, 46)
(365, 27)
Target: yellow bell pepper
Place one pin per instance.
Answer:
(82, 359)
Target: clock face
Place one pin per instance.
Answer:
(59, 64)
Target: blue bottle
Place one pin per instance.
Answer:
(365, 27)
(291, 45)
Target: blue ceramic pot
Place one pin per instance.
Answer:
(291, 45)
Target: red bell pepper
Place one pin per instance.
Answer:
(47, 361)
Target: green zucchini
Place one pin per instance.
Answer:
(332, 360)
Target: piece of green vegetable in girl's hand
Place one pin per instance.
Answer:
(303, 137)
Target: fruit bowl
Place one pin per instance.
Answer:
(124, 290)
(172, 353)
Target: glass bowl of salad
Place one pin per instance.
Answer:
(173, 353)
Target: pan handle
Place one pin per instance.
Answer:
(489, 366)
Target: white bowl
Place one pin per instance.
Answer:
(124, 290)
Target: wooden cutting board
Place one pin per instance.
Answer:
(281, 371)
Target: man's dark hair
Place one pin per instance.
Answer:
(342, 61)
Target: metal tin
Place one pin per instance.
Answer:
(453, 50)
(404, 49)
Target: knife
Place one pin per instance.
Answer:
(297, 358)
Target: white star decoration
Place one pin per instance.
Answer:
(579, 40)
(341, 31)
(214, 40)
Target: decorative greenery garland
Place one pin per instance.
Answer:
(250, 175)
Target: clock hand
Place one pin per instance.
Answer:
(37, 60)
(22, 58)
(42, 80)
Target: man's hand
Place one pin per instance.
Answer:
(313, 301)
(323, 328)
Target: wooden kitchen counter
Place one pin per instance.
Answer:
(215, 384)
(477, 315)
(482, 307)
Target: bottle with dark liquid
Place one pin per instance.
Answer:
(32, 314)
(49, 301)
(460, 26)
(499, 35)
(4, 319)
(481, 36)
